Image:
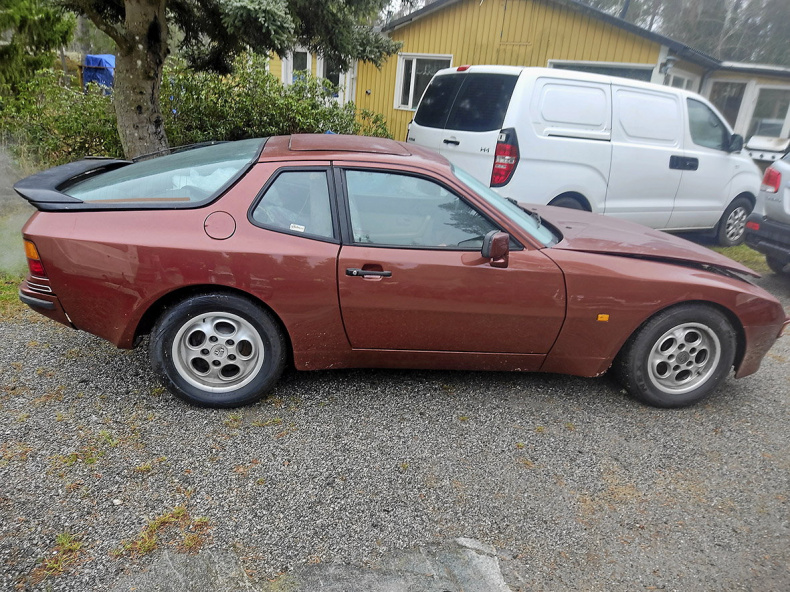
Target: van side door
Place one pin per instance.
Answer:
(704, 190)
(647, 148)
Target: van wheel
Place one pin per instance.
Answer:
(733, 222)
(677, 357)
(567, 202)
(217, 350)
(776, 265)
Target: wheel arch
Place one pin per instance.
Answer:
(158, 307)
(748, 195)
(585, 203)
(740, 342)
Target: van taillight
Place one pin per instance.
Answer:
(33, 260)
(505, 158)
(771, 180)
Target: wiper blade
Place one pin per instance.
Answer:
(532, 213)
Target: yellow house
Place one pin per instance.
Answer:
(551, 33)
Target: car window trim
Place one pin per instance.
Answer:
(347, 235)
(333, 203)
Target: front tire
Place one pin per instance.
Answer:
(217, 350)
(733, 222)
(678, 357)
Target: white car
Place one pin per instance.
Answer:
(656, 155)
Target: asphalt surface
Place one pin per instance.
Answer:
(383, 480)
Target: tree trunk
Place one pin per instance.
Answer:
(138, 78)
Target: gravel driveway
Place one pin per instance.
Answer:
(102, 473)
(575, 484)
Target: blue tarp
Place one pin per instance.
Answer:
(99, 69)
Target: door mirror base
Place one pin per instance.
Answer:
(496, 248)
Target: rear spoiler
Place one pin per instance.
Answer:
(44, 190)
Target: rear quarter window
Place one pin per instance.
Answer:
(190, 177)
(466, 102)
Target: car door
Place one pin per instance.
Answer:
(411, 275)
(705, 184)
(647, 145)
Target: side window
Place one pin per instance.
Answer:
(297, 202)
(401, 210)
(706, 128)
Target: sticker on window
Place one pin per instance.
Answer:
(297, 227)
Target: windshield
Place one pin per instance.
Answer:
(190, 177)
(525, 221)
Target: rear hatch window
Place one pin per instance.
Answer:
(468, 102)
(191, 177)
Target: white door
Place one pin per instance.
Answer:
(705, 183)
(647, 152)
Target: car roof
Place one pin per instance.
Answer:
(346, 147)
(561, 73)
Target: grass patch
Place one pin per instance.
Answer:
(67, 553)
(193, 533)
(745, 255)
(9, 294)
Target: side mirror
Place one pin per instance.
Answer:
(496, 248)
(736, 143)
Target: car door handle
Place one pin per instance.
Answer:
(356, 272)
(453, 142)
(683, 163)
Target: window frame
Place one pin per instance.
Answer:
(288, 65)
(333, 203)
(399, 77)
(347, 232)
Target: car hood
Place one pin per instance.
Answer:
(594, 233)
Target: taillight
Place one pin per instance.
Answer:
(752, 225)
(33, 260)
(771, 180)
(505, 158)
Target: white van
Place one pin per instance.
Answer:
(660, 156)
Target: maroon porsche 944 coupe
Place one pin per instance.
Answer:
(330, 251)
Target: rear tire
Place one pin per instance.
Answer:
(733, 222)
(677, 357)
(217, 350)
(776, 265)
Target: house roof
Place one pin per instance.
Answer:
(681, 50)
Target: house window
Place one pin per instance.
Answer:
(727, 98)
(684, 80)
(414, 74)
(770, 112)
(296, 65)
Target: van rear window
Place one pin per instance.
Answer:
(466, 102)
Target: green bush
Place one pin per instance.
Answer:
(200, 106)
(51, 124)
